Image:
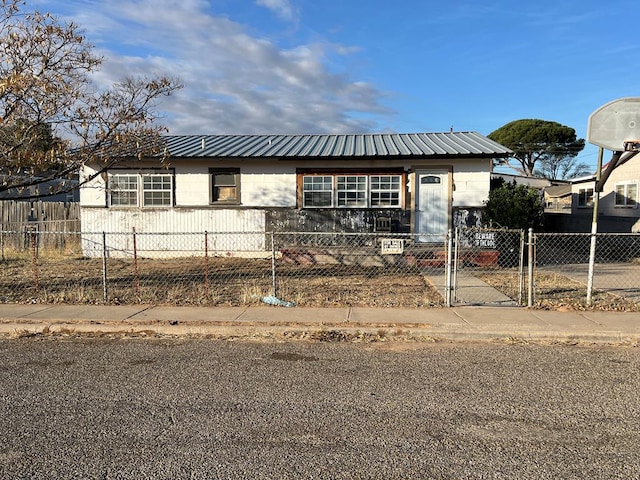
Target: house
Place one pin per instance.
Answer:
(55, 190)
(540, 183)
(557, 199)
(618, 204)
(407, 183)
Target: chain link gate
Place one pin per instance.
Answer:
(487, 267)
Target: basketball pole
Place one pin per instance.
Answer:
(594, 226)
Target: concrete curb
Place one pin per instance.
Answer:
(329, 332)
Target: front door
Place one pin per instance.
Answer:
(432, 205)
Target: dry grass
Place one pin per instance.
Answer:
(225, 281)
(555, 291)
(64, 276)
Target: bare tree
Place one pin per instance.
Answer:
(536, 142)
(53, 119)
(561, 168)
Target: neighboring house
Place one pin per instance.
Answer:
(557, 199)
(535, 182)
(618, 205)
(410, 183)
(47, 189)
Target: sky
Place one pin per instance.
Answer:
(367, 66)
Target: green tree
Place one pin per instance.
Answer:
(550, 145)
(514, 206)
(53, 119)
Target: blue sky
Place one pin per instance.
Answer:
(348, 66)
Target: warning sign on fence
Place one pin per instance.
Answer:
(392, 246)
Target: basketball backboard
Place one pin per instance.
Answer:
(615, 124)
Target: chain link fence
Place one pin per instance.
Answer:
(470, 267)
(218, 268)
(563, 268)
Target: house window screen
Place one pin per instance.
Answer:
(133, 190)
(385, 190)
(156, 190)
(317, 191)
(352, 191)
(626, 194)
(225, 186)
(123, 190)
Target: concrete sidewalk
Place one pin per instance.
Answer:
(460, 323)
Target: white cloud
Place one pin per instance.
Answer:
(282, 8)
(234, 82)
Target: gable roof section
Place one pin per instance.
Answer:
(436, 145)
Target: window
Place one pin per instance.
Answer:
(626, 194)
(385, 191)
(225, 186)
(123, 190)
(156, 191)
(317, 191)
(585, 197)
(351, 191)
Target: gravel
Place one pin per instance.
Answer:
(178, 408)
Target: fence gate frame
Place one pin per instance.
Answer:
(484, 250)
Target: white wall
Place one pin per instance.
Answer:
(267, 183)
(471, 182)
(92, 194)
(627, 173)
(183, 230)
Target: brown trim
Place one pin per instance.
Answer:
(231, 170)
(351, 171)
(333, 172)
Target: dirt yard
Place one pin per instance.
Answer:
(216, 281)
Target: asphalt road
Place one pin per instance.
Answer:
(172, 409)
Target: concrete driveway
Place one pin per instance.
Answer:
(622, 279)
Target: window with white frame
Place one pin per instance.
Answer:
(123, 190)
(140, 189)
(626, 194)
(585, 197)
(317, 191)
(352, 191)
(385, 190)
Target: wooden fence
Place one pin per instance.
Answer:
(37, 216)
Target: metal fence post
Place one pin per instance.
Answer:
(521, 270)
(206, 264)
(454, 266)
(592, 262)
(34, 261)
(448, 285)
(135, 263)
(530, 270)
(105, 293)
(274, 281)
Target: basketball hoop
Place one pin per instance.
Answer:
(615, 125)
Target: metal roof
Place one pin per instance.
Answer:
(469, 144)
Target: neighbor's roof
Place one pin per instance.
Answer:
(558, 190)
(469, 144)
